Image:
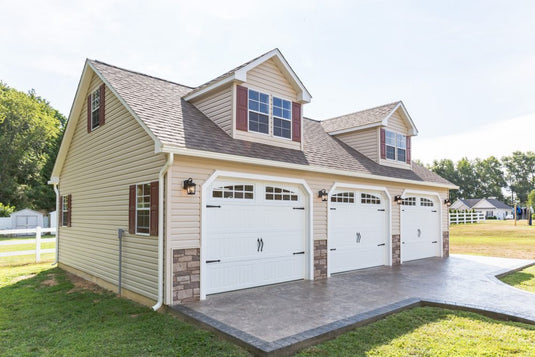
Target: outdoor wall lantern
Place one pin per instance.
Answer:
(190, 186)
(323, 195)
(447, 202)
(398, 199)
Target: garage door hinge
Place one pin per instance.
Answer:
(380, 245)
(381, 209)
(213, 261)
(434, 241)
(333, 209)
(434, 210)
(213, 206)
(301, 208)
(332, 249)
(297, 253)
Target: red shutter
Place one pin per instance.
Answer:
(69, 210)
(154, 190)
(101, 110)
(60, 211)
(296, 121)
(132, 210)
(383, 144)
(408, 150)
(241, 108)
(89, 113)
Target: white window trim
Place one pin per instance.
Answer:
(95, 109)
(395, 159)
(64, 203)
(139, 233)
(270, 115)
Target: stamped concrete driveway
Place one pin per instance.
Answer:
(284, 317)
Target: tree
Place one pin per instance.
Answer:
(467, 179)
(490, 178)
(520, 173)
(29, 132)
(446, 169)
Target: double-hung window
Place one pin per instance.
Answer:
(282, 118)
(143, 208)
(65, 211)
(396, 146)
(95, 109)
(258, 112)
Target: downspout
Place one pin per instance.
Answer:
(55, 182)
(161, 206)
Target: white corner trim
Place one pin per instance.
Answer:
(231, 78)
(300, 167)
(234, 174)
(439, 202)
(383, 189)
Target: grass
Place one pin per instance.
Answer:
(44, 312)
(494, 238)
(524, 279)
(431, 331)
(24, 259)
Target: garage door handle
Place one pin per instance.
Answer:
(380, 245)
(358, 237)
(257, 244)
(212, 206)
(261, 244)
(419, 233)
(333, 209)
(213, 261)
(297, 253)
(434, 211)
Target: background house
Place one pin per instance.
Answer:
(490, 207)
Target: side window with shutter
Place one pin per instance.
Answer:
(143, 209)
(96, 103)
(65, 208)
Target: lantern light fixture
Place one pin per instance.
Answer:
(447, 202)
(190, 186)
(323, 195)
(398, 199)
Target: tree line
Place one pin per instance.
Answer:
(30, 135)
(509, 179)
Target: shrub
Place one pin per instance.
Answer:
(6, 210)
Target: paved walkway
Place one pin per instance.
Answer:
(275, 318)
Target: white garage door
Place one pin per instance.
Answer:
(255, 234)
(420, 228)
(357, 231)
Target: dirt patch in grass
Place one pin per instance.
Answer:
(82, 285)
(50, 281)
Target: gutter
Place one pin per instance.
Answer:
(161, 206)
(55, 182)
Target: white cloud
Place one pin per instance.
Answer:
(498, 139)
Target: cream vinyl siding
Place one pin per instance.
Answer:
(184, 220)
(397, 124)
(218, 107)
(99, 168)
(268, 78)
(364, 141)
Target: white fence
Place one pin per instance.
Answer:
(37, 241)
(466, 217)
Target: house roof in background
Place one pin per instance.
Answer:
(472, 202)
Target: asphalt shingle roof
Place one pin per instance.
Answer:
(364, 117)
(173, 120)
(471, 202)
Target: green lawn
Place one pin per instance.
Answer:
(430, 331)
(44, 312)
(524, 279)
(24, 259)
(494, 238)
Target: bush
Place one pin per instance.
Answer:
(491, 217)
(6, 210)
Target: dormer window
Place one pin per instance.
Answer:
(282, 118)
(396, 146)
(258, 112)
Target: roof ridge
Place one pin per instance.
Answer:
(360, 111)
(142, 74)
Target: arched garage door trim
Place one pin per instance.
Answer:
(340, 185)
(240, 175)
(405, 194)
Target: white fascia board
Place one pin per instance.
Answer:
(356, 128)
(271, 163)
(222, 82)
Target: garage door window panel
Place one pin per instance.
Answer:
(409, 201)
(242, 192)
(280, 194)
(366, 198)
(426, 202)
(343, 197)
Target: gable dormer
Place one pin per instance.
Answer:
(260, 101)
(382, 133)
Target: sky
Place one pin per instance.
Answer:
(464, 69)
